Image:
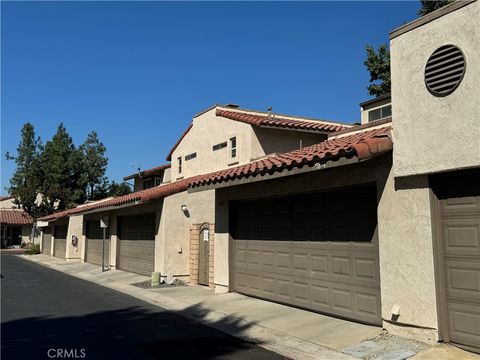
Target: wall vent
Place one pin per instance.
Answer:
(444, 70)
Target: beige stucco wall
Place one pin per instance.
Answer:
(172, 245)
(75, 227)
(8, 204)
(431, 133)
(407, 273)
(267, 141)
(209, 130)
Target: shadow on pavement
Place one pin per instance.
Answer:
(128, 333)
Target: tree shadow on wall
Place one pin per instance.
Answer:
(129, 333)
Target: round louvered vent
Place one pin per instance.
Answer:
(444, 70)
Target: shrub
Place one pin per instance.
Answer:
(34, 249)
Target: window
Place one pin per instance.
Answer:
(190, 156)
(147, 184)
(380, 113)
(220, 146)
(179, 159)
(233, 147)
(158, 181)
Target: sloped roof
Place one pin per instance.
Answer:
(157, 170)
(280, 122)
(15, 217)
(8, 197)
(363, 144)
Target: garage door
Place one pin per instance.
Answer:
(137, 243)
(459, 199)
(317, 251)
(60, 242)
(47, 240)
(94, 243)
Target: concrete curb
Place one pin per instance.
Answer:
(270, 339)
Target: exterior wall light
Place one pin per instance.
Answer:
(184, 209)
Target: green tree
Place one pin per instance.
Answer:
(378, 64)
(94, 166)
(63, 184)
(431, 5)
(119, 189)
(26, 181)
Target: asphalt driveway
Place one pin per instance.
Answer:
(46, 314)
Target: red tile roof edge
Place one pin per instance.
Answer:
(170, 153)
(15, 217)
(8, 197)
(280, 122)
(148, 172)
(364, 145)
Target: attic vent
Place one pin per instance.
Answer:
(444, 70)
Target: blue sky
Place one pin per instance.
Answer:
(137, 72)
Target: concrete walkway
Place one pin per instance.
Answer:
(294, 333)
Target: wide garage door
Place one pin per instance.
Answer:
(47, 240)
(137, 243)
(317, 251)
(60, 242)
(94, 243)
(459, 230)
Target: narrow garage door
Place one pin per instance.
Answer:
(60, 242)
(317, 251)
(47, 240)
(459, 229)
(137, 243)
(94, 243)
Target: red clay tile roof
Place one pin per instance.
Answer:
(364, 145)
(149, 172)
(15, 217)
(265, 121)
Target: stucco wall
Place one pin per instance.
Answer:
(431, 133)
(172, 243)
(209, 130)
(407, 273)
(75, 227)
(268, 141)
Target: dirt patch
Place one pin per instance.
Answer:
(148, 285)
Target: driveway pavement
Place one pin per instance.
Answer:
(45, 311)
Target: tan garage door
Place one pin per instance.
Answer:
(47, 240)
(459, 199)
(60, 242)
(137, 243)
(317, 251)
(94, 243)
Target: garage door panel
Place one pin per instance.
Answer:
(94, 250)
(47, 240)
(317, 252)
(60, 247)
(136, 251)
(459, 240)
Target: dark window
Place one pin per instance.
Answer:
(191, 156)
(147, 183)
(60, 231)
(343, 215)
(380, 113)
(94, 231)
(179, 159)
(137, 227)
(158, 181)
(233, 147)
(220, 146)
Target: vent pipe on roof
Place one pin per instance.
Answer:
(269, 111)
(232, 106)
